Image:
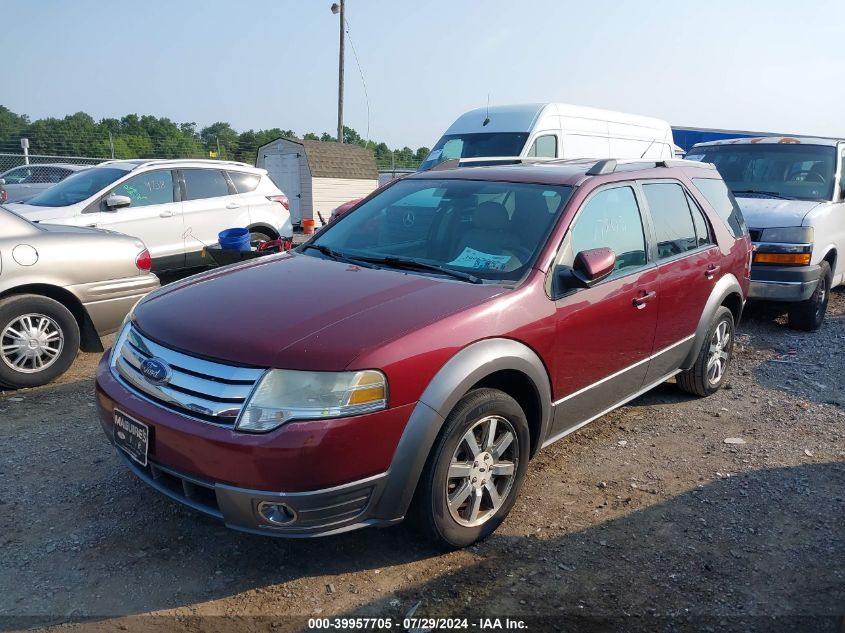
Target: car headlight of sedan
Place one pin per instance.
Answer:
(282, 395)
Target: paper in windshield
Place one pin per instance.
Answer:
(472, 258)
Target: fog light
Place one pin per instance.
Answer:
(276, 513)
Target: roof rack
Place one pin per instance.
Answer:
(162, 161)
(610, 165)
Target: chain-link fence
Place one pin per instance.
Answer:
(9, 161)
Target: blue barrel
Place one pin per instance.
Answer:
(234, 239)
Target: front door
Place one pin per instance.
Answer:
(604, 334)
(154, 216)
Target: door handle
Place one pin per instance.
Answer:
(166, 214)
(233, 205)
(641, 301)
(92, 226)
(711, 271)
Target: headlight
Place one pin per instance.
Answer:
(283, 395)
(789, 235)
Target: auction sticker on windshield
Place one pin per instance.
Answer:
(472, 258)
(132, 436)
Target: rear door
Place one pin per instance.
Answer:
(688, 266)
(155, 216)
(604, 334)
(210, 205)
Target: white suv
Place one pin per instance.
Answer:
(175, 206)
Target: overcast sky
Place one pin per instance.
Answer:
(764, 66)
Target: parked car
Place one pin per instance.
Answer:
(425, 346)
(792, 193)
(61, 289)
(177, 207)
(26, 181)
(551, 130)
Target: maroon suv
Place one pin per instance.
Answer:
(418, 352)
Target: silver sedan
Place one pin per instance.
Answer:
(61, 289)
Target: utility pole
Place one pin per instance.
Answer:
(25, 148)
(219, 157)
(111, 145)
(340, 9)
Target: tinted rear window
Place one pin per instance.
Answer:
(244, 183)
(205, 183)
(722, 200)
(673, 226)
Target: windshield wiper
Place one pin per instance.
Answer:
(401, 262)
(333, 254)
(770, 194)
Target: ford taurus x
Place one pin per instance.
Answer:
(411, 358)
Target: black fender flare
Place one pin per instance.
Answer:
(726, 286)
(457, 376)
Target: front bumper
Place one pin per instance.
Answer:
(329, 473)
(783, 283)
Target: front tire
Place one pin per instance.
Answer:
(809, 315)
(475, 469)
(710, 370)
(39, 340)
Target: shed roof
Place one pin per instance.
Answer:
(336, 160)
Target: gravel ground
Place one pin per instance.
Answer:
(647, 515)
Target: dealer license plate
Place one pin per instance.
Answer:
(131, 436)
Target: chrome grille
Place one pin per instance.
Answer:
(205, 390)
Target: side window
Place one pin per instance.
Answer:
(720, 198)
(53, 175)
(611, 219)
(244, 182)
(670, 213)
(152, 187)
(702, 229)
(205, 183)
(544, 146)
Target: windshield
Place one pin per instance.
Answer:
(454, 146)
(78, 187)
(483, 230)
(792, 171)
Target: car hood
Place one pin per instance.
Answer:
(764, 213)
(294, 311)
(43, 214)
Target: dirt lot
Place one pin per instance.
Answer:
(644, 519)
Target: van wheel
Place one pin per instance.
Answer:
(475, 469)
(39, 340)
(809, 315)
(708, 373)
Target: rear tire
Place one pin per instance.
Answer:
(475, 469)
(708, 373)
(809, 315)
(39, 340)
(259, 235)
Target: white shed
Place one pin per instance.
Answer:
(317, 176)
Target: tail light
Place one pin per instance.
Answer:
(282, 200)
(4, 195)
(144, 261)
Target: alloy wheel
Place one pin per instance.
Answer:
(717, 360)
(482, 471)
(31, 343)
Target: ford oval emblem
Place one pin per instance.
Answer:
(156, 371)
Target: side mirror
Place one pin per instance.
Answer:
(589, 267)
(115, 202)
(2, 181)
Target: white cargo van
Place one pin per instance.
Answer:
(551, 130)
